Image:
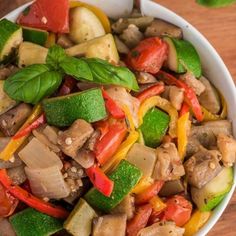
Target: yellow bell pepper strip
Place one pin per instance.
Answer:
(197, 220)
(51, 40)
(208, 116)
(166, 106)
(144, 183)
(183, 129)
(14, 144)
(129, 117)
(97, 11)
(121, 152)
(157, 204)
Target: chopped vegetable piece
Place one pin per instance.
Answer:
(13, 145)
(151, 91)
(97, 11)
(35, 35)
(8, 203)
(154, 127)
(42, 15)
(31, 200)
(171, 188)
(165, 106)
(11, 37)
(214, 191)
(129, 118)
(157, 204)
(142, 157)
(112, 107)
(125, 177)
(190, 96)
(80, 219)
(100, 181)
(178, 210)
(184, 109)
(149, 193)
(67, 86)
(197, 220)
(106, 147)
(143, 184)
(140, 220)
(148, 56)
(183, 130)
(51, 40)
(31, 222)
(121, 152)
(63, 111)
(34, 125)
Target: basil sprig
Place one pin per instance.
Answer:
(33, 83)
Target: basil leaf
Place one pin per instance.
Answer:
(105, 73)
(55, 55)
(32, 84)
(216, 3)
(77, 68)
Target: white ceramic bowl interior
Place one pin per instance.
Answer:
(213, 67)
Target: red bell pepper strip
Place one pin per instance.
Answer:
(39, 121)
(47, 15)
(190, 96)
(8, 203)
(106, 147)
(30, 200)
(67, 86)
(139, 221)
(148, 56)
(112, 107)
(184, 109)
(151, 91)
(178, 210)
(149, 192)
(100, 181)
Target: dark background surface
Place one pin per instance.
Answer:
(219, 27)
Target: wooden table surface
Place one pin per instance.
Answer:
(219, 27)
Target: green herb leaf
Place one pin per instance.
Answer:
(215, 3)
(105, 73)
(77, 68)
(32, 84)
(55, 56)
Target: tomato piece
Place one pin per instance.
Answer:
(50, 15)
(8, 203)
(149, 192)
(148, 56)
(106, 147)
(178, 210)
(100, 181)
(140, 220)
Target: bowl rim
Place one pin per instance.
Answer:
(168, 15)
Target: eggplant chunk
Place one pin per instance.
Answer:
(121, 47)
(13, 119)
(5, 72)
(141, 22)
(210, 98)
(64, 41)
(125, 207)
(171, 188)
(206, 135)
(17, 174)
(202, 167)
(108, 225)
(131, 36)
(161, 28)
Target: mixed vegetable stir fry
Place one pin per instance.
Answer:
(108, 126)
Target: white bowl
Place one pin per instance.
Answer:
(213, 67)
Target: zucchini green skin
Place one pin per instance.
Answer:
(154, 127)
(35, 36)
(87, 105)
(9, 32)
(125, 177)
(31, 222)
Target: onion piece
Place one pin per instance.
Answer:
(37, 155)
(51, 133)
(47, 182)
(17, 174)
